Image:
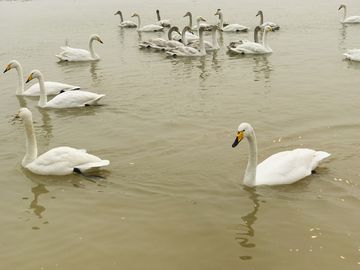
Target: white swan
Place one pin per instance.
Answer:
(263, 24)
(71, 54)
(208, 45)
(253, 47)
(52, 88)
(208, 27)
(231, 27)
(149, 27)
(57, 161)
(127, 24)
(351, 19)
(186, 50)
(236, 43)
(163, 44)
(69, 99)
(163, 23)
(353, 55)
(282, 168)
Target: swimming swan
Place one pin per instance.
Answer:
(351, 19)
(186, 50)
(282, 168)
(57, 161)
(253, 47)
(236, 43)
(274, 26)
(127, 24)
(69, 99)
(353, 55)
(147, 28)
(231, 27)
(208, 45)
(163, 44)
(163, 23)
(52, 88)
(71, 54)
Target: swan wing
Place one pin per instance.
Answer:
(52, 88)
(128, 24)
(151, 27)
(352, 19)
(288, 167)
(72, 54)
(63, 160)
(249, 48)
(74, 99)
(235, 28)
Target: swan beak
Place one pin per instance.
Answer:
(340, 7)
(30, 78)
(238, 139)
(100, 41)
(7, 68)
(217, 13)
(18, 115)
(203, 19)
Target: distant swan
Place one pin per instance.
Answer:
(279, 169)
(274, 26)
(353, 54)
(71, 54)
(70, 99)
(163, 44)
(208, 45)
(231, 27)
(163, 23)
(186, 50)
(249, 47)
(351, 19)
(147, 28)
(57, 161)
(128, 24)
(52, 88)
(236, 43)
(206, 26)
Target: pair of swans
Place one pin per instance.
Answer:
(263, 24)
(248, 47)
(72, 54)
(351, 19)
(69, 99)
(231, 27)
(279, 169)
(125, 24)
(147, 28)
(52, 88)
(57, 161)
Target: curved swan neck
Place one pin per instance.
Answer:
(265, 42)
(261, 17)
(91, 49)
(121, 17)
(183, 35)
(256, 31)
(31, 145)
(43, 97)
(190, 20)
(221, 17)
(344, 14)
(214, 38)
(20, 86)
(201, 41)
(172, 29)
(139, 26)
(250, 173)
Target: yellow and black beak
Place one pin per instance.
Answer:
(7, 68)
(100, 41)
(238, 139)
(340, 7)
(18, 115)
(30, 78)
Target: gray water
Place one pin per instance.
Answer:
(172, 197)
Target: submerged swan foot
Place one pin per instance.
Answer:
(90, 176)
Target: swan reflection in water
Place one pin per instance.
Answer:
(262, 69)
(71, 67)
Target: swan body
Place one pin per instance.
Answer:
(351, 19)
(126, 24)
(236, 43)
(163, 23)
(353, 55)
(249, 47)
(72, 54)
(282, 168)
(149, 27)
(186, 50)
(52, 88)
(231, 27)
(163, 44)
(57, 161)
(263, 24)
(70, 99)
(208, 45)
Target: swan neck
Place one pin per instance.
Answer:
(190, 20)
(250, 173)
(344, 15)
(221, 17)
(158, 16)
(183, 37)
(31, 145)
(202, 44)
(139, 25)
(20, 86)
(121, 17)
(43, 97)
(261, 18)
(256, 37)
(265, 41)
(91, 49)
(214, 39)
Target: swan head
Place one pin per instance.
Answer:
(199, 18)
(24, 113)
(267, 28)
(136, 15)
(34, 74)
(96, 37)
(188, 28)
(12, 64)
(187, 14)
(119, 12)
(259, 13)
(218, 11)
(342, 6)
(244, 130)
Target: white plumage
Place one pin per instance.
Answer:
(231, 27)
(351, 19)
(263, 24)
(125, 24)
(164, 22)
(282, 168)
(57, 161)
(147, 28)
(52, 88)
(353, 55)
(70, 99)
(72, 54)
